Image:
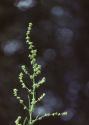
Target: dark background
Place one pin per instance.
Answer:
(61, 34)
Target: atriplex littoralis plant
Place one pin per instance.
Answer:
(32, 101)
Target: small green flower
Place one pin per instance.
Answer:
(15, 92)
(17, 122)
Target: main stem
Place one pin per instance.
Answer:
(32, 102)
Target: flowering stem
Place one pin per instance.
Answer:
(35, 85)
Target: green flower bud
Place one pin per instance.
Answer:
(21, 101)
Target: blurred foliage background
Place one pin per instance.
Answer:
(61, 34)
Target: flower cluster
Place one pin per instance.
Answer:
(32, 99)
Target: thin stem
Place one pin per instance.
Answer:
(32, 102)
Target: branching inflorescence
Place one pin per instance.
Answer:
(32, 101)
